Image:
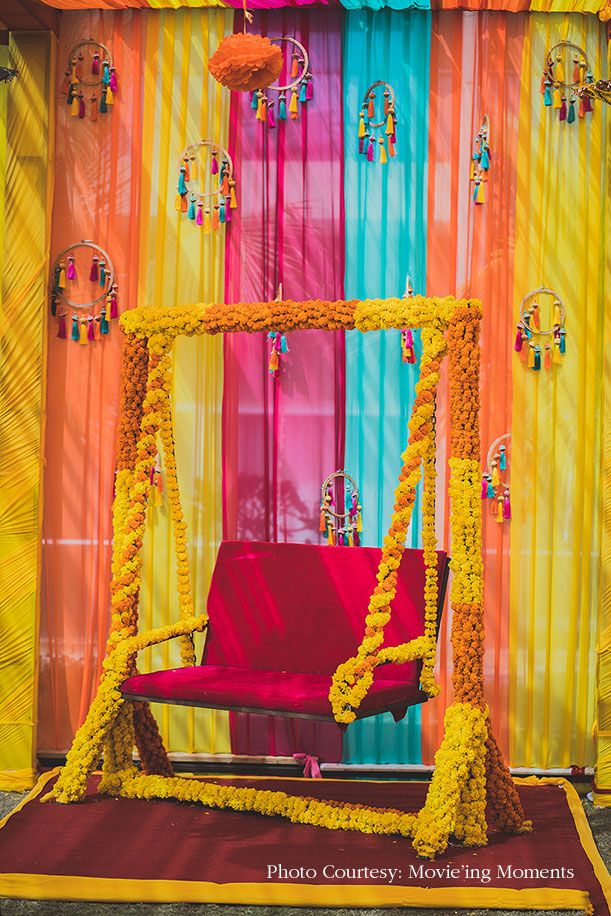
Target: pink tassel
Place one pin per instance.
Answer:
(484, 488)
(113, 80)
(114, 309)
(93, 273)
(61, 327)
(71, 273)
(506, 506)
(518, 344)
(215, 166)
(563, 111)
(95, 64)
(370, 150)
(271, 121)
(228, 209)
(82, 109)
(309, 91)
(199, 219)
(409, 340)
(90, 329)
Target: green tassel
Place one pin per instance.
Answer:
(571, 115)
(103, 105)
(75, 333)
(103, 322)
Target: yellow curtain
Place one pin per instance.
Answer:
(26, 132)
(557, 416)
(179, 263)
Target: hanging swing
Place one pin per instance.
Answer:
(293, 669)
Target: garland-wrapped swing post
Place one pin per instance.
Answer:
(470, 771)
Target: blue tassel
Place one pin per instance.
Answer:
(547, 95)
(485, 159)
(302, 93)
(502, 460)
(571, 115)
(106, 74)
(102, 274)
(537, 364)
(182, 187)
(271, 335)
(254, 101)
(283, 345)
(222, 213)
(282, 115)
(75, 334)
(475, 190)
(103, 322)
(562, 341)
(491, 493)
(191, 213)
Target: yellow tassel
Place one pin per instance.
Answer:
(383, 157)
(293, 107)
(495, 476)
(472, 172)
(390, 125)
(207, 221)
(480, 198)
(82, 332)
(531, 357)
(559, 74)
(61, 280)
(557, 357)
(330, 537)
(74, 107)
(273, 361)
(259, 113)
(499, 511)
(361, 132)
(359, 523)
(193, 169)
(557, 314)
(350, 538)
(233, 203)
(557, 103)
(178, 203)
(109, 96)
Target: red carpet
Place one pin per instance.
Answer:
(118, 849)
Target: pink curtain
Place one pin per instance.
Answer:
(282, 436)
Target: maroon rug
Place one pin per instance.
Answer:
(166, 843)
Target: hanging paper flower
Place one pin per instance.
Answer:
(244, 62)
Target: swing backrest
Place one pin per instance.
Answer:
(301, 607)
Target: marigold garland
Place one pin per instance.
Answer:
(469, 765)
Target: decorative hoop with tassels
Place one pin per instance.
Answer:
(480, 161)
(208, 208)
(102, 74)
(368, 140)
(87, 324)
(495, 483)
(340, 510)
(300, 88)
(557, 90)
(537, 346)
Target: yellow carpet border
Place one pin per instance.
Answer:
(78, 887)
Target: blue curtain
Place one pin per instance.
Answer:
(386, 230)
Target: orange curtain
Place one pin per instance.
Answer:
(96, 197)
(475, 70)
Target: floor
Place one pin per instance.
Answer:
(599, 818)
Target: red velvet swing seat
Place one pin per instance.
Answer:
(282, 617)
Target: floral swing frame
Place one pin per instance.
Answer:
(469, 766)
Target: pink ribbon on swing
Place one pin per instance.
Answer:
(310, 765)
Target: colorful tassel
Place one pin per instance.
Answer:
(518, 341)
(95, 64)
(563, 109)
(479, 196)
(214, 168)
(537, 358)
(61, 326)
(61, 276)
(104, 328)
(114, 86)
(228, 209)
(232, 195)
(547, 95)
(82, 108)
(283, 344)
(271, 120)
(531, 356)
(491, 493)
(273, 361)
(506, 505)
(254, 100)
(562, 341)
(94, 273)
(114, 307)
(222, 212)
(547, 358)
(282, 115)
(559, 74)
(302, 93)
(536, 317)
(295, 65)
(383, 157)
(90, 328)
(502, 458)
(370, 150)
(499, 510)
(71, 275)
(391, 148)
(82, 332)
(485, 158)
(106, 73)
(178, 203)
(215, 217)
(557, 98)
(571, 114)
(371, 106)
(182, 187)
(310, 88)
(322, 523)
(293, 108)
(74, 109)
(207, 221)
(102, 272)
(103, 105)
(557, 357)
(75, 330)
(192, 211)
(495, 475)
(484, 494)
(199, 219)
(109, 96)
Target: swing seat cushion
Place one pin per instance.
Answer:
(282, 617)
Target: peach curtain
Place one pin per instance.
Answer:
(96, 197)
(475, 70)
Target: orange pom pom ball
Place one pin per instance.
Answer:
(245, 62)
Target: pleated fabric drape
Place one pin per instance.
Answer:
(561, 240)
(281, 437)
(475, 70)
(96, 197)
(180, 263)
(386, 237)
(26, 183)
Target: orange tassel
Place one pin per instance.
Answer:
(232, 195)
(295, 65)
(547, 359)
(370, 107)
(215, 217)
